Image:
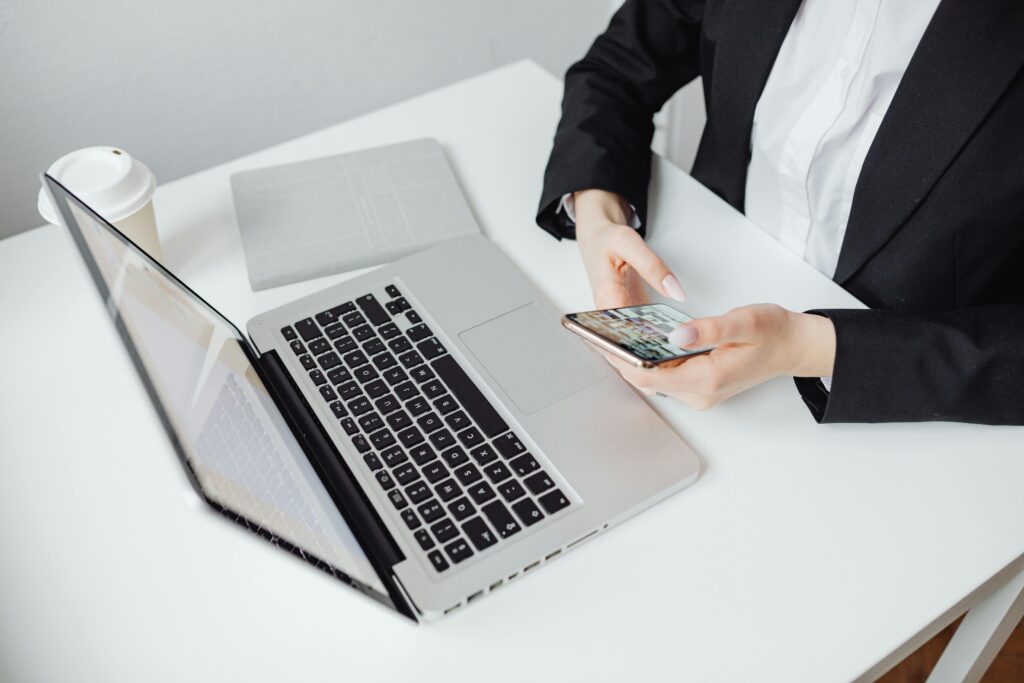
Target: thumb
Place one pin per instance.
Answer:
(716, 331)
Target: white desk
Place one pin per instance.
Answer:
(804, 553)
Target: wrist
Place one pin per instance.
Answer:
(812, 341)
(600, 206)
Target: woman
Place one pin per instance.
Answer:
(882, 142)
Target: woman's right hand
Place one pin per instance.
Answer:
(615, 256)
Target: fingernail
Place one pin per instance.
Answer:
(673, 288)
(682, 336)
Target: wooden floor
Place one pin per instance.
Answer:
(1007, 668)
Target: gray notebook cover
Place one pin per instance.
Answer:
(339, 213)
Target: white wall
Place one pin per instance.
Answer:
(185, 84)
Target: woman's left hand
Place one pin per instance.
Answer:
(754, 344)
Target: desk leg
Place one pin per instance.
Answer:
(981, 634)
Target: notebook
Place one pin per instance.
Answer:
(339, 213)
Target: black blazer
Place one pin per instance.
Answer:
(935, 239)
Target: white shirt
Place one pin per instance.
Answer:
(830, 86)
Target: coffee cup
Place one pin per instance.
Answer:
(116, 186)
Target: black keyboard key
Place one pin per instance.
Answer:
(431, 348)
(387, 482)
(345, 344)
(389, 331)
(364, 332)
(424, 539)
(354, 359)
(371, 422)
(405, 474)
(497, 472)
(402, 303)
(359, 441)
(329, 360)
(392, 291)
(397, 499)
(483, 454)
(384, 361)
(400, 345)
(372, 461)
(338, 408)
(406, 390)
(468, 474)
(444, 530)
(458, 421)
(354, 319)
(422, 373)
(387, 404)
(430, 511)
(342, 309)
(297, 348)
(429, 422)
(335, 331)
(410, 436)
(458, 551)
(447, 490)
(445, 404)
(500, 518)
(393, 456)
(318, 377)
(511, 490)
(470, 437)
(339, 375)
(410, 519)
(410, 359)
(528, 512)
(376, 388)
(422, 454)
(307, 362)
(326, 318)
(372, 309)
(399, 421)
(413, 317)
(461, 509)
(308, 329)
(349, 390)
(365, 373)
(554, 501)
(433, 388)
(373, 347)
(382, 439)
(328, 393)
(359, 406)
(394, 375)
(479, 533)
(480, 492)
(349, 425)
(418, 406)
(442, 439)
(524, 465)
(318, 346)
(509, 445)
(435, 471)
(437, 560)
(288, 333)
(393, 308)
(539, 483)
(418, 492)
(455, 457)
(483, 413)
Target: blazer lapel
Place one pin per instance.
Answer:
(966, 59)
(749, 41)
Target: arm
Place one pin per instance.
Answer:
(603, 140)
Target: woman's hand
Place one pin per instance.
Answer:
(615, 256)
(754, 344)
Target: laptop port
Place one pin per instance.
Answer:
(498, 584)
(553, 554)
(474, 596)
(531, 566)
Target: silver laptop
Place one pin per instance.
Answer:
(427, 432)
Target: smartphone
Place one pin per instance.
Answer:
(635, 334)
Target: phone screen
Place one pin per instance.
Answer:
(640, 330)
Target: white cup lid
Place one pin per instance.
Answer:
(108, 179)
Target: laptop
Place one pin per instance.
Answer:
(426, 432)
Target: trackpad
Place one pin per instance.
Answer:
(532, 358)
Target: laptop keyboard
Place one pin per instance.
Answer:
(460, 478)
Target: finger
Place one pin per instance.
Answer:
(633, 250)
(734, 327)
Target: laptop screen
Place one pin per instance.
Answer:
(216, 409)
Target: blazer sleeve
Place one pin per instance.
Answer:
(899, 366)
(603, 140)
